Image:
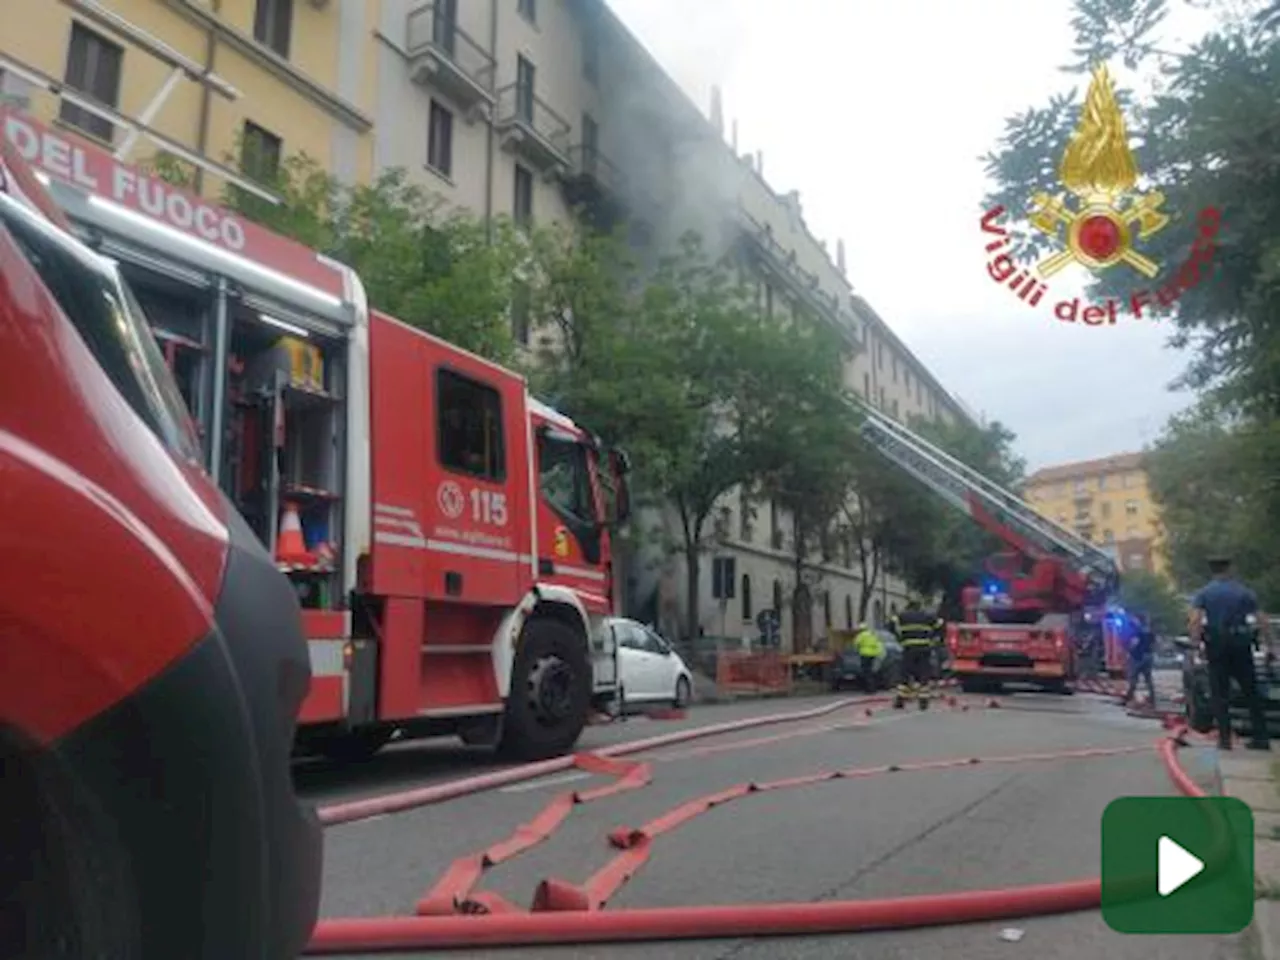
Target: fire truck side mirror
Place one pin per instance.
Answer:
(620, 466)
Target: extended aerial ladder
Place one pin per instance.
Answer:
(1067, 572)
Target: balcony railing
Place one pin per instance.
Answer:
(442, 54)
(596, 187)
(531, 128)
(803, 284)
(586, 160)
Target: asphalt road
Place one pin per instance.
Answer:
(906, 832)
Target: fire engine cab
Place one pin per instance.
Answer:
(448, 536)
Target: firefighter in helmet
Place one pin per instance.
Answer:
(918, 631)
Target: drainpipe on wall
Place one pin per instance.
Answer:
(206, 96)
(488, 140)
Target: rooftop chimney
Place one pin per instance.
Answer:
(840, 257)
(734, 137)
(717, 112)
(760, 162)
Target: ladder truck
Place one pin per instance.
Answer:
(1040, 599)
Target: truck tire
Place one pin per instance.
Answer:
(550, 692)
(65, 888)
(355, 746)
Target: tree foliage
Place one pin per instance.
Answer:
(706, 390)
(1148, 593)
(1206, 133)
(442, 272)
(946, 550)
(1210, 476)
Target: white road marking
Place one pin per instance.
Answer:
(543, 782)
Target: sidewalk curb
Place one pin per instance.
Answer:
(1252, 780)
(1265, 928)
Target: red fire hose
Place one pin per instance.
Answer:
(679, 923)
(438, 793)
(564, 913)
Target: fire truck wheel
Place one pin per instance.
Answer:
(550, 692)
(355, 746)
(64, 883)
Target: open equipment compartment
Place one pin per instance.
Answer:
(285, 446)
(262, 360)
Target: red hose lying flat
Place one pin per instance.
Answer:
(576, 922)
(452, 892)
(670, 923)
(634, 844)
(438, 793)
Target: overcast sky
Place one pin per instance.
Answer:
(877, 112)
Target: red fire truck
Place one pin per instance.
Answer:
(448, 535)
(1039, 600)
(152, 662)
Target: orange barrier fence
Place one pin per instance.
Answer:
(752, 673)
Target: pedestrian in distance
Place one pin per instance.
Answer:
(1226, 624)
(1142, 655)
(870, 649)
(918, 631)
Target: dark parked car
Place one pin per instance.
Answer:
(846, 668)
(1195, 690)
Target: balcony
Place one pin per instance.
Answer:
(531, 130)
(443, 56)
(783, 264)
(594, 185)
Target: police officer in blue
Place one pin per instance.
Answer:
(1225, 622)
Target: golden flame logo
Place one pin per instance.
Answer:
(1098, 167)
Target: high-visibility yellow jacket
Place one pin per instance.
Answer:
(868, 644)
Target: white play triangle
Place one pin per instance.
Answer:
(1174, 866)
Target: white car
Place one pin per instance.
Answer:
(649, 670)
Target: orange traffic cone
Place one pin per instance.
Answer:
(291, 548)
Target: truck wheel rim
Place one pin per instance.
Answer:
(551, 690)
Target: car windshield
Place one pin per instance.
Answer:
(107, 316)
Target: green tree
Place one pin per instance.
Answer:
(945, 550)
(1208, 476)
(1205, 135)
(444, 273)
(885, 514)
(806, 444)
(1144, 592)
(678, 365)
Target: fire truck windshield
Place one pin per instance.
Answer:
(108, 318)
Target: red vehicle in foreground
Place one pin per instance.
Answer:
(152, 663)
(1038, 601)
(447, 536)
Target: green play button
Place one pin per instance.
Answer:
(1177, 865)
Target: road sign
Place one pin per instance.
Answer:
(1177, 865)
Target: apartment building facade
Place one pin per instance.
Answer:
(521, 108)
(215, 84)
(1109, 502)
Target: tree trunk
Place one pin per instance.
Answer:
(801, 599)
(691, 526)
(869, 561)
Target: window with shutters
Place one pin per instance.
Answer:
(273, 25)
(440, 139)
(93, 69)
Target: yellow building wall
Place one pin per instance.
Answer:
(1110, 495)
(302, 123)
